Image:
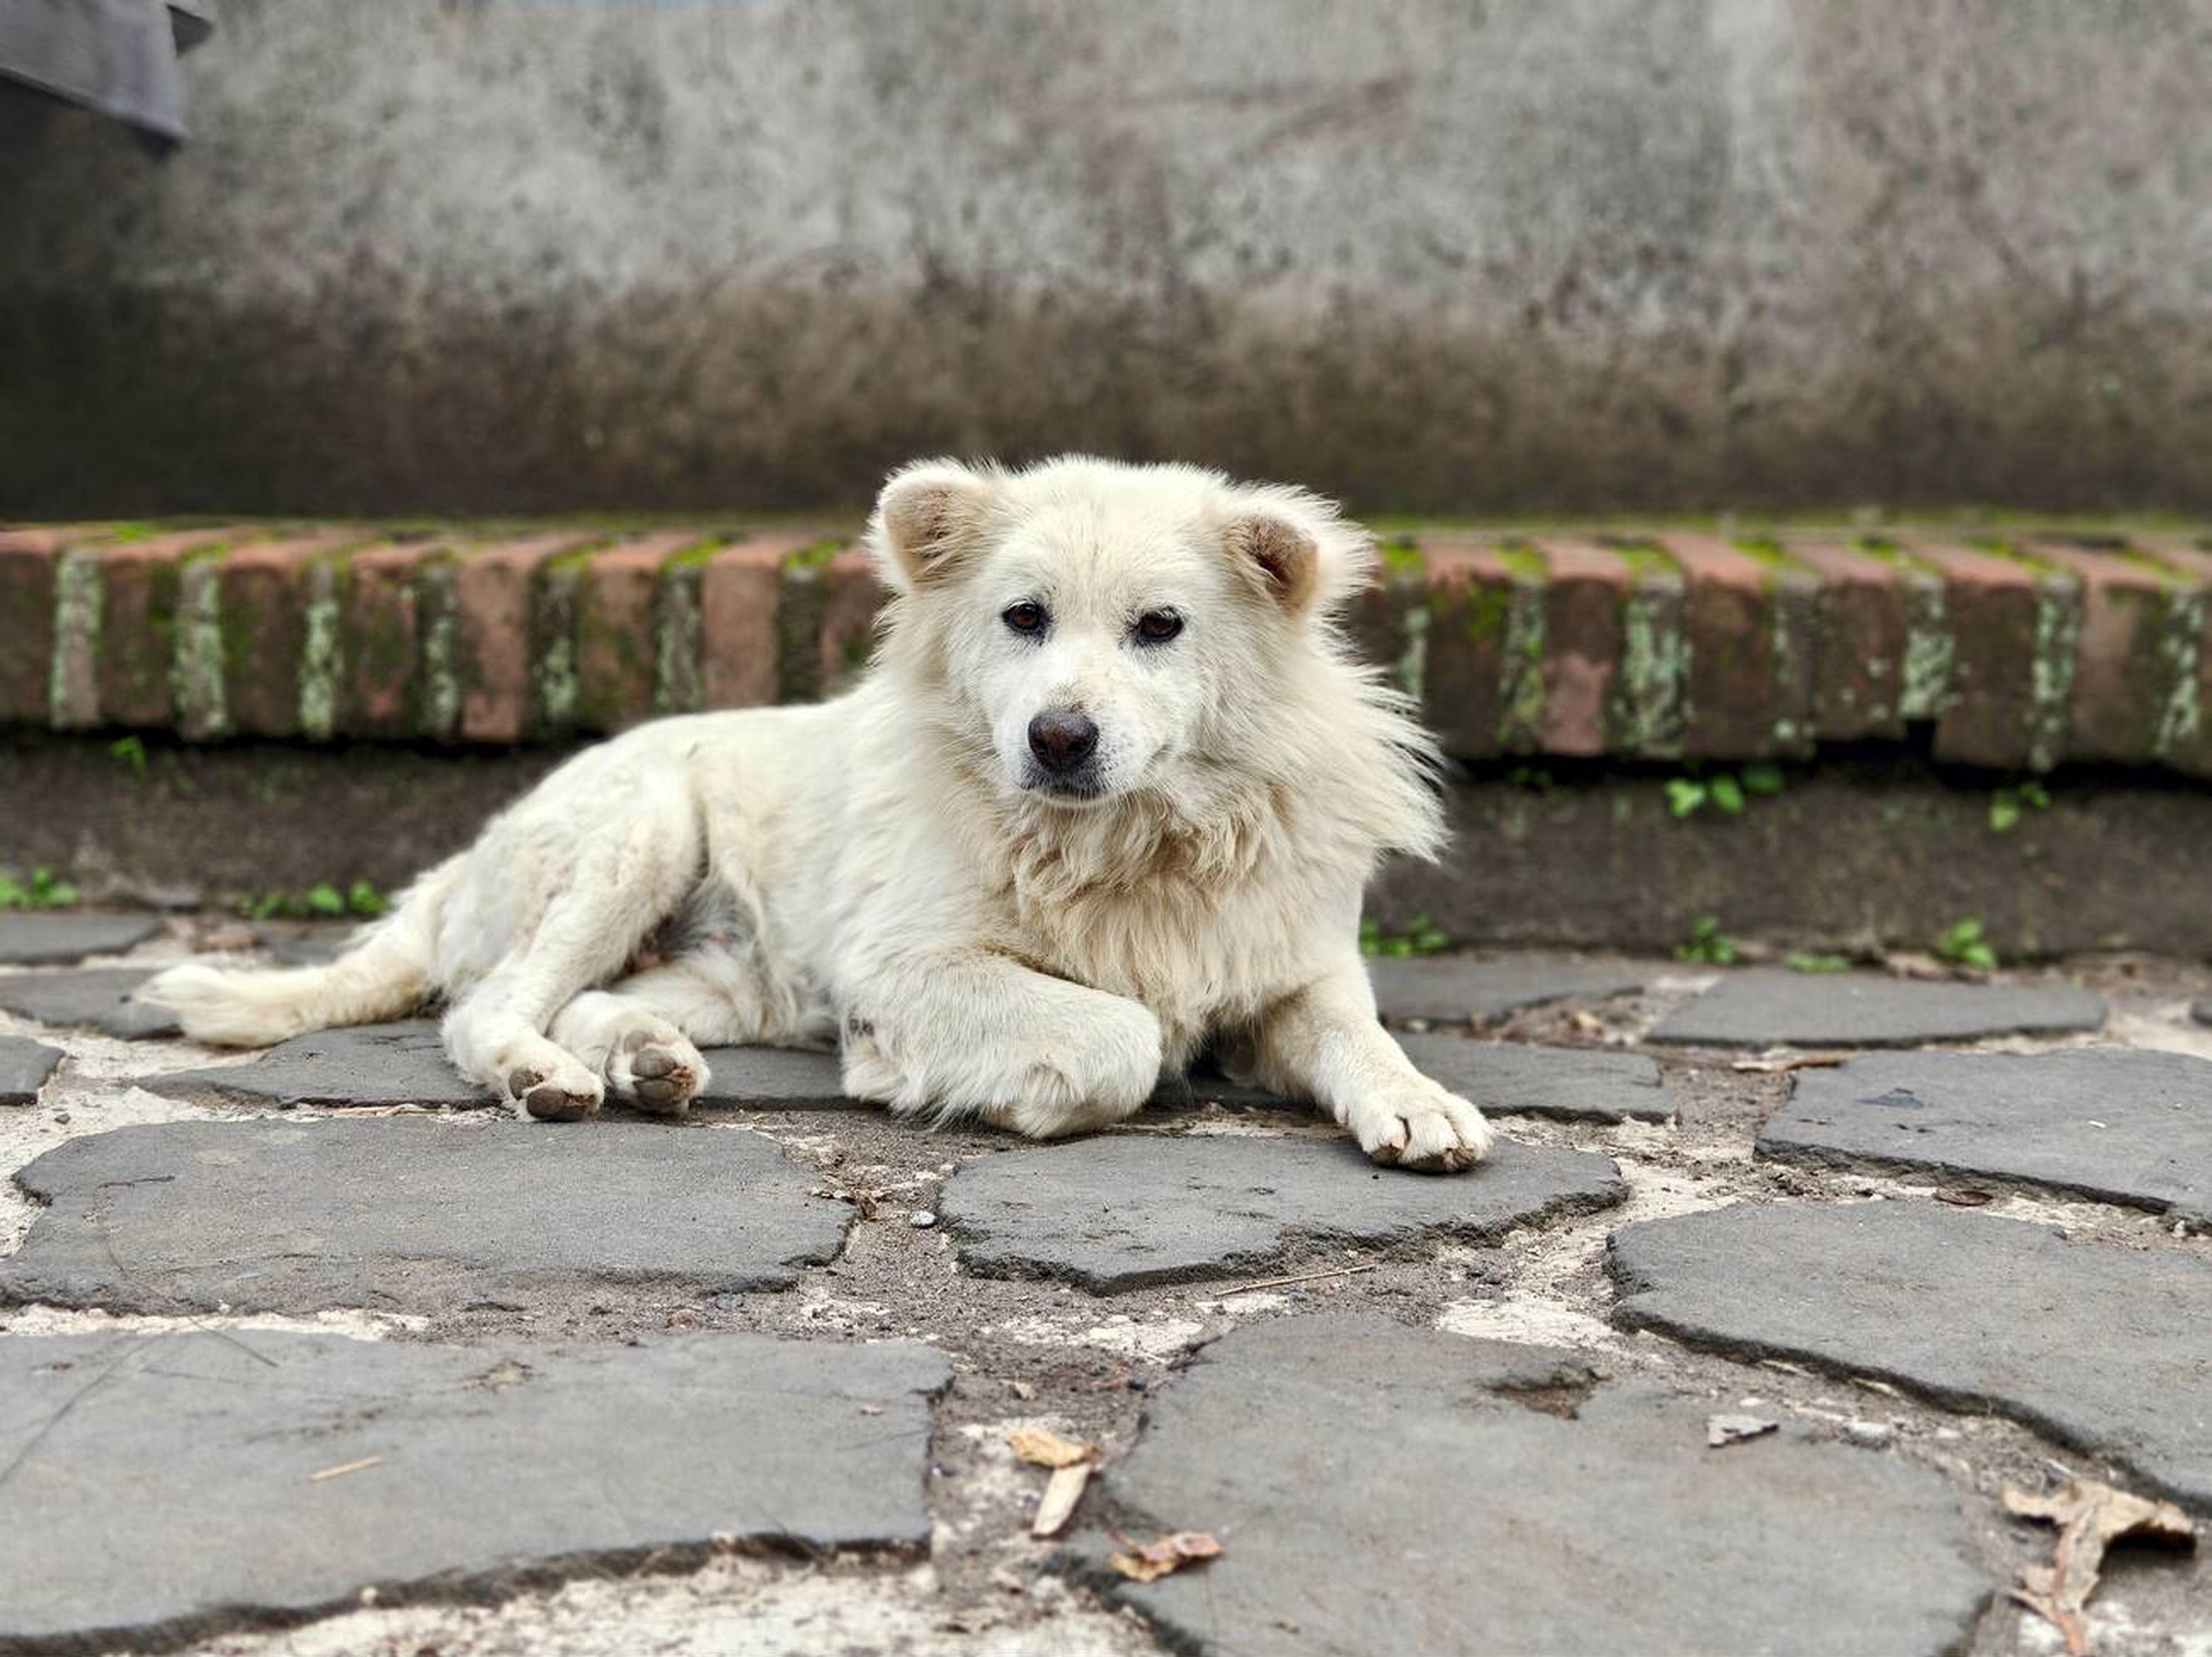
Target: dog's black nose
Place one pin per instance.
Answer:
(1062, 741)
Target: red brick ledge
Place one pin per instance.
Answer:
(2016, 655)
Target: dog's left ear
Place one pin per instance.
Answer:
(1284, 556)
(928, 515)
(1297, 551)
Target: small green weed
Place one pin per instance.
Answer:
(42, 891)
(1422, 936)
(1962, 944)
(2009, 806)
(1799, 961)
(1726, 791)
(131, 752)
(321, 902)
(1707, 943)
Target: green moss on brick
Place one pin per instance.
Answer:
(1411, 669)
(1929, 652)
(197, 662)
(555, 686)
(2180, 644)
(698, 553)
(2051, 658)
(814, 554)
(437, 710)
(1649, 692)
(1402, 558)
(1646, 559)
(320, 650)
(1487, 606)
(72, 664)
(1520, 666)
(2164, 574)
(1522, 561)
(678, 686)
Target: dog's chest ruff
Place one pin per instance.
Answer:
(1199, 960)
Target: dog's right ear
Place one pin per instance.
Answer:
(929, 515)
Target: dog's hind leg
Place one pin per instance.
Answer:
(496, 1033)
(641, 1057)
(639, 1035)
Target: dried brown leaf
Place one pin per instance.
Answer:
(1146, 1562)
(1912, 965)
(1965, 1198)
(1042, 1449)
(1062, 1492)
(2090, 1518)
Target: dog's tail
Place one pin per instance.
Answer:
(384, 971)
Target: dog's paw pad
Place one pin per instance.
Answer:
(547, 1103)
(655, 1071)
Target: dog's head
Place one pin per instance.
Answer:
(1109, 628)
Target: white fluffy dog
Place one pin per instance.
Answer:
(1111, 792)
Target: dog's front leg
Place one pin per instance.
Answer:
(978, 1033)
(1326, 1044)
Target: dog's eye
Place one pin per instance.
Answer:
(1025, 618)
(1156, 627)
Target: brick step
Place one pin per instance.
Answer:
(2017, 654)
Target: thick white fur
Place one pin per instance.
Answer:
(880, 868)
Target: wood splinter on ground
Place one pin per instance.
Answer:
(2090, 1517)
(1302, 1276)
(343, 1468)
(1071, 1464)
(1781, 1064)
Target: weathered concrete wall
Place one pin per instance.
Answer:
(545, 254)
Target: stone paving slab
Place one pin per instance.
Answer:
(25, 1064)
(1779, 1008)
(774, 1079)
(1579, 1083)
(1125, 1210)
(304, 942)
(410, 1214)
(1460, 989)
(1373, 1492)
(400, 1064)
(2105, 1349)
(34, 940)
(164, 1486)
(96, 999)
(2112, 1123)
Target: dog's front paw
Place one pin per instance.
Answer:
(1084, 1080)
(1096, 1069)
(1416, 1125)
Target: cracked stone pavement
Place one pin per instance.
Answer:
(304, 1352)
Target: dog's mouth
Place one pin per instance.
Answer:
(1082, 789)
